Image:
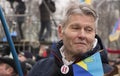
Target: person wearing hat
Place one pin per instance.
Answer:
(23, 56)
(27, 66)
(7, 67)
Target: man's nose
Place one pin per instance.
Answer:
(81, 33)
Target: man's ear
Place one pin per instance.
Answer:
(60, 31)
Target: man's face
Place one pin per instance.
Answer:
(78, 34)
(21, 57)
(4, 71)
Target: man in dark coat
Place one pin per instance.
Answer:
(80, 51)
(46, 8)
(20, 11)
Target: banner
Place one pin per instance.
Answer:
(113, 51)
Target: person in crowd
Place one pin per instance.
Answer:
(27, 65)
(7, 67)
(20, 11)
(42, 53)
(23, 56)
(118, 67)
(26, 61)
(111, 62)
(46, 8)
(80, 51)
(117, 59)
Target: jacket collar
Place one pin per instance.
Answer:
(98, 47)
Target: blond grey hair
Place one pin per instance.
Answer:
(81, 9)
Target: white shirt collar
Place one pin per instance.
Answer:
(66, 62)
(95, 43)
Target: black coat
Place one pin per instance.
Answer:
(20, 10)
(51, 66)
(46, 8)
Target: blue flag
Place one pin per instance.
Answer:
(91, 66)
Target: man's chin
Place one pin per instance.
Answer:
(81, 51)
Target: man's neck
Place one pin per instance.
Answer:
(69, 56)
(66, 57)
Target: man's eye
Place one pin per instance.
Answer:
(89, 29)
(75, 27)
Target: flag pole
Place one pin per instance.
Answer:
(9, 39)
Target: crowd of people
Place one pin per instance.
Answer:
(26, 60)
(116, 66)
(80, 48)
(18, 7)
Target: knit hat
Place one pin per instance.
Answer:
(26, 54)
(9, 61)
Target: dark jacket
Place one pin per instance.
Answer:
(45, 10)
(51, 66)
(20, 10)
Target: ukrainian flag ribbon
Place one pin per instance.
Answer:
(91, 66)
(115, 32)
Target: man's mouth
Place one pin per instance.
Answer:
(81, 43)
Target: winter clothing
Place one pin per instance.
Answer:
(20, 10)
(52, 66)
(46, 8)
(9, 61)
